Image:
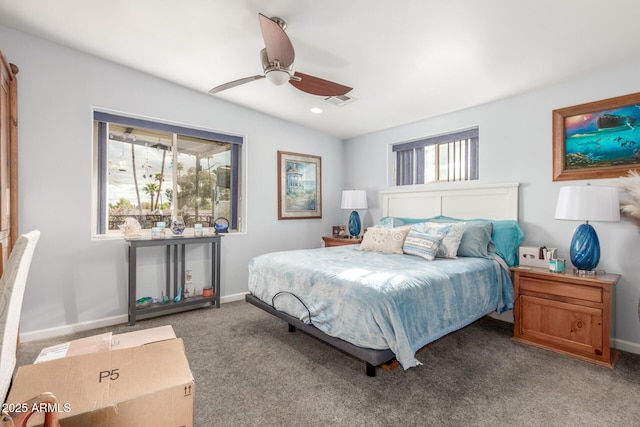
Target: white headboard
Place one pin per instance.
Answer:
(457, 200)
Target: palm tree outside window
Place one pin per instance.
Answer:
(152, 171)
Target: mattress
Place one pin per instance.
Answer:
(381, 301)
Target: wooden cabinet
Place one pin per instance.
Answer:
(566, 313)
(8, 159)
(340, 241)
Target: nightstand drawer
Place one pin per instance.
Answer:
(565, 326)
(566, 290)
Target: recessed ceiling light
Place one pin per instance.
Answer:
(316, 110)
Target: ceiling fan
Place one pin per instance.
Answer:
(277, 61)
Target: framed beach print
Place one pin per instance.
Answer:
(597, 140)
(299, 186)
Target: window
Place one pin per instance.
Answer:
(151, 171)
(450, 157)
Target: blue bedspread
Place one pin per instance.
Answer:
(380, 301)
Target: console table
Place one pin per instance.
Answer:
(174, 274)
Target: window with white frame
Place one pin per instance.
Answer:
(152, 171)
(449, 157)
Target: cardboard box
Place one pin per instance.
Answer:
(106, 342)
(142, 337)
(91, 344)
(143, 380)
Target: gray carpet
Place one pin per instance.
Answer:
(249, 371)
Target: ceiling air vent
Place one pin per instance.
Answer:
(340, 100)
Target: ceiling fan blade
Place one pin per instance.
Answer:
(318, 86)
(277, 43)
(235, 83)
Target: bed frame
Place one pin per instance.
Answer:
(458, 200)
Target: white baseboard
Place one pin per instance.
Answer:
(70, 329)
(234, 297)
(95, 324)
(628, 346)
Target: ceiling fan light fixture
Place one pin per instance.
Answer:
(277, 59)
(278, 76)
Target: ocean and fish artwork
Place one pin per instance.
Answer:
(603, 138)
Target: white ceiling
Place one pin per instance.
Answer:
(407, 60)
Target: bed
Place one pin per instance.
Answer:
(438, 261)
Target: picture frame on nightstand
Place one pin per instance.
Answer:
(339, 231)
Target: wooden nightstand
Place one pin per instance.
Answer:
(339, 241)
(566, 313)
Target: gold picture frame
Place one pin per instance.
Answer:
(597, 139)
(299, 186)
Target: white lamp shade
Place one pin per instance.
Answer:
(354, 199)
(588, 203)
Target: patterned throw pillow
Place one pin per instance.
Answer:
(424, 245)
(452, 236)
(385, 240)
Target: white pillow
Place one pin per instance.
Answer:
(385, 240)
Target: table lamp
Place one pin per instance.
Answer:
(354, 199)
(587, 203)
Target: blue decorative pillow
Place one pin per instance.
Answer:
(386, 222)
(452, 232)
(393, 222)
(506, 236)
(424, 245)
(476, 240)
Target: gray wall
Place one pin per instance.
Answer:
(76, 282)
(515, 146)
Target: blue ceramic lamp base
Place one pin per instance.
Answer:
(585, 248)
(354, 224)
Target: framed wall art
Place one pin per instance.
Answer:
(597, 140)
(299, 186)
